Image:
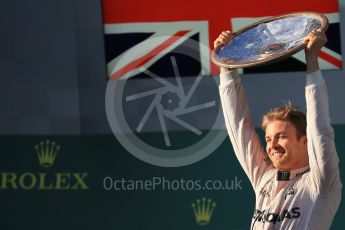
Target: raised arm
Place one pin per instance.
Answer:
(323, 158)
(244, 139)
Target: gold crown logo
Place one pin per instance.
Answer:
(46, 152)
(203, 209)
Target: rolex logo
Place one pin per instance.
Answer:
(46, 152)
(203, 209)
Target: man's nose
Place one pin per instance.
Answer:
(274, 142)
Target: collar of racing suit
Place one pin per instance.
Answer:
(289, 175)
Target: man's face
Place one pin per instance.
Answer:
(285, 150)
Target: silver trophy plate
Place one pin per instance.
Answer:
(269, 40)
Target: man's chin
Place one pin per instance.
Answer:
(280, 166)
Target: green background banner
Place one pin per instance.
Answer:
(94, 183)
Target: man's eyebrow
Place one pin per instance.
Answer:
(276, 134)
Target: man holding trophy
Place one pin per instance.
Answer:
(296, 179)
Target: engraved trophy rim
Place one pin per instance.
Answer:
(265, 58)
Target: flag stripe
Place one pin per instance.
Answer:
(330, 59)
(146, 58)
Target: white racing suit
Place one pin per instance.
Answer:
(309, 197)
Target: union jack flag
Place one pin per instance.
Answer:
(138, 34)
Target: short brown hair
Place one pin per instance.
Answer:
(288, 113)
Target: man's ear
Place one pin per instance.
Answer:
(305, 139)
